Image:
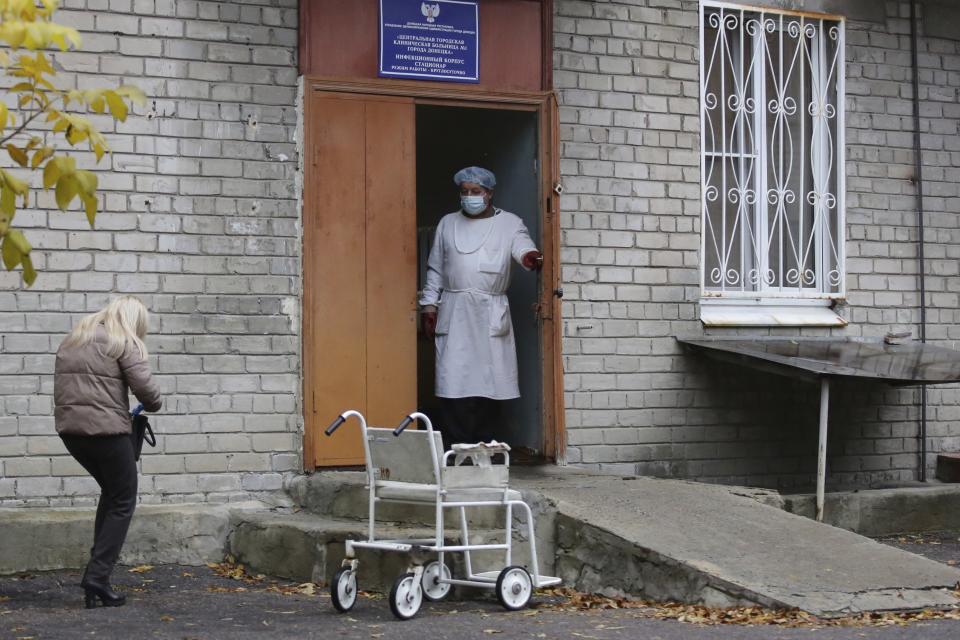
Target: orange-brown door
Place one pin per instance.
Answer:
(359, 278)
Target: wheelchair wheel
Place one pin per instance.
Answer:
(514, 588)
(433, 589)
(343, 589)
(406, 596)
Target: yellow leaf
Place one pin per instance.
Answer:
(19, 186)
(118, 108)
(18, 240)
(65, 36)
(87, 181)
(11, 256)
(29, 273)
(66, 191)
(75, 135)
(98, 104)
(36, 37)
(4, 59)
(18, 155)
(57, 167)
(99, 150)
(3, 116)
(51, 173)
(43, 64)
(90, 206)
(13, 32)
(134, 94)
(40, 155)
(8, 206)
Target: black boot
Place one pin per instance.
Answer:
(102, 590)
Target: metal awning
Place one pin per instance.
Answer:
(913, 363)
(820, 359)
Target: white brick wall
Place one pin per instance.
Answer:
(198, 218)
(627, 75)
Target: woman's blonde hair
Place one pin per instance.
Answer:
(125, 320)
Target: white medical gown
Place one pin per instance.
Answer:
(467, 278)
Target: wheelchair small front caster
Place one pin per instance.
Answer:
(343, 589)
(406, 596)
(514, 588)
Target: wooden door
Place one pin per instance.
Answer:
(359, 279)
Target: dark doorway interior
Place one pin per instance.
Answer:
(504, 141)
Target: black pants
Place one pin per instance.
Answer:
(469, 420)
(109, 459)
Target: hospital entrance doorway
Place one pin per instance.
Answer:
(505, 141)
(378, 176)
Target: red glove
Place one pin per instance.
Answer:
(428, 322)
(532, 260)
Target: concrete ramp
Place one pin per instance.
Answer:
(691, 542)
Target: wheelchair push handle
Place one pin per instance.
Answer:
(403, 425)
(334, 425)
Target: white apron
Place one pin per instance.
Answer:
(467, 277)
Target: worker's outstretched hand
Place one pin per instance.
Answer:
(532, 260)
(428, 323)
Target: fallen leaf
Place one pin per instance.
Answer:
(167, 618)
(230, 569)
(218, 589)
(491, 631)
(569, 600)
(142, 568)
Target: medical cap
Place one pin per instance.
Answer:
(476, 175)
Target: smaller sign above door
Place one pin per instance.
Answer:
(429, 40)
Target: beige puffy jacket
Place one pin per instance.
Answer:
(90, 389)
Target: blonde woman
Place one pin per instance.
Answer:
(101, 360)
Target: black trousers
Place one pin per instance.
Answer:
(109, 459)
(469, 420)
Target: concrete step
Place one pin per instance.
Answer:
(342, 494)
(689, 542)
(310, 547)
(883, 512)
(48, 539)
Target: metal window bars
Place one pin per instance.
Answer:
(772, 121)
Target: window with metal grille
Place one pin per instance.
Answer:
(771, 87)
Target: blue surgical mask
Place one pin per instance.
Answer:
(473, 204)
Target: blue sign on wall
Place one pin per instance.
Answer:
(429, 40)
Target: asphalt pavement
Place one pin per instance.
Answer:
(188, 603)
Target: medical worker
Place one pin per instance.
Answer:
(464, 307)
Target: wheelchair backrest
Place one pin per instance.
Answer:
(404, 458)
